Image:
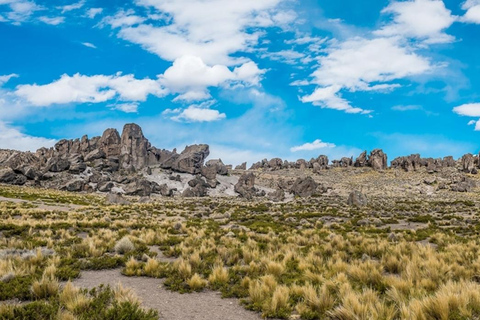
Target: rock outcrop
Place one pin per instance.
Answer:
(378, 160)
(304, 187)
(245, 186)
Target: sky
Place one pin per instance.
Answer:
(253, 79)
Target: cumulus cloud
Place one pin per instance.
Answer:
(196, 113)
(422, 19)
(315, 145)
(92, 89)
(5, 78)
(52, 21)
(131, 107)
(470, 110)
(362, 64)
(20, 10)
(473, 11)
(123, 19)
(93, 12)
(73, 6)
(192, 28)
(12, 138)
(191, 77)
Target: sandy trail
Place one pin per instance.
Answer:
(170, 305)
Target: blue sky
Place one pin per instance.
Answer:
(254, 79)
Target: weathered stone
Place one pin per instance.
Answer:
(140, 187)
(243, 166)
(134, 147)
(58, 164)
(114, 198)
(378, 160)
(304, 187)
(357, 199)
(75, 185)
(105, 186)
(10, 177)
(468, 163)
(361, 161)
(245, 186)
(277, 195)
(110, 143)
(95, 155)
(191, 159)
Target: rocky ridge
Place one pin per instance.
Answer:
(128, 164)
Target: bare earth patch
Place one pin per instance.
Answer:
(206, 305)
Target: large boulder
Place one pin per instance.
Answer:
(141, 187)
(378, 160)
(220, 167)
(191, 159)
(110, 143)
(357, 199)
(95, 155)
(468, 163)
(245, 186)
(304, 187)
(134, 147)
(361, 160)
(198, 188)
(74, 185)
(114, 198)
(277, 195)
(9, 176)
(76, 164)
(57, 164)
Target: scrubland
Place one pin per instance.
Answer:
(317, 258)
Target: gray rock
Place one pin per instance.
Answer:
(94, 155)
(75, 185)
(378, 160)
(134, 147)
(361, 161)
(277, 195)
(114, 198)
(245, 186)
(357, 199)
(140, 187)
(191, 159)
(9, 176)
(304, 187)
(105, 186)
(468, 163)
(58, 164)
(243, 166)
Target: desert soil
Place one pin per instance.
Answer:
(206, 305)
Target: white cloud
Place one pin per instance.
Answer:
(286, 56)
(52, 21)
(125, 107)
(362, 64)
(471, 122)
(20, 10)
(197, 113)
(473, 11)
(5, 78)
(73, 6)
(421, 19)
(89, 45)
(12, 138)
(407, 108)
(92, 89)
(356, 63)
(315, 145)
(210, 29)
(329, 97)
(191, 77)
(123, 19)
(93, 12)
(470, 110)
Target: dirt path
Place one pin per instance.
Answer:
(171, 305)
(42, 206)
